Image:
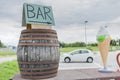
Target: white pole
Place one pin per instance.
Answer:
(85, 34)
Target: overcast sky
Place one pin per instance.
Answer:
(69, 18)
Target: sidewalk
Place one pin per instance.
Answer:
(7, 58)
(69, 66)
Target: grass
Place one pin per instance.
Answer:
(8, 69)
(6, 53)
(68, 49)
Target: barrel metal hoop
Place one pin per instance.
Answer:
(38, 38)
(42, 62)
(38, 30)
(47, 68)
(40, 77)
(38, 34)
(39, 73)
(35, 44)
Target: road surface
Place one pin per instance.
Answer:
(7, 58)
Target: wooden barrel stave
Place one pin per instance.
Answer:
(31, 57)
(38, 49)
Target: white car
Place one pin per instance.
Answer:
(78, 55)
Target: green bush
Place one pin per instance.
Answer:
(8, 69)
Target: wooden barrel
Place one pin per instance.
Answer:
(38, 53)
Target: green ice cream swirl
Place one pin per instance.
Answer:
(101, 38)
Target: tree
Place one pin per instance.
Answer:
(119, 41)
(1, 44)
(62, 44)
(113, 43)
(75, 44)
(92, 44)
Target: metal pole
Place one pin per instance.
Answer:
(85, 34)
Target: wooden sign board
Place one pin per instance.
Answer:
(38, 15)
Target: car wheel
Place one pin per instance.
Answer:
(67, 59)
(89, 59)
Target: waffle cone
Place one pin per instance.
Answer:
(104, 48)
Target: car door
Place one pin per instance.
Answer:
(83, 55)
(75, 56)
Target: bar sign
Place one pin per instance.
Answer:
(37, 14)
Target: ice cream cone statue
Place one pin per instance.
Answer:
(104, 39)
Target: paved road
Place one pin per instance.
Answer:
(64, 66)
(7, 58)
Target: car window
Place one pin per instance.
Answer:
(76, 52)
(84, 51)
